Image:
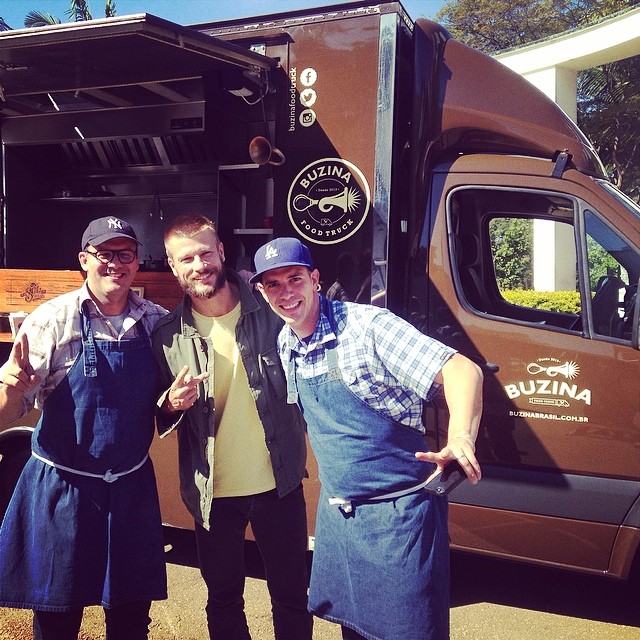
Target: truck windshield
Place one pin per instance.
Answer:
(624, 199)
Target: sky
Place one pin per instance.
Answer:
(188, 11)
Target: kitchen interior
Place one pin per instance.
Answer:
(173, 139)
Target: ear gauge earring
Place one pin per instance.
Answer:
(318, 288)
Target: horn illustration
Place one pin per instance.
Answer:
(344, 200)
(339, 200)
(262, 152)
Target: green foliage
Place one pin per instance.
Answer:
(559, 301)
(512, 250)
(39, 19)
(79, 11)
(601, 263)
(609, 112)
(495, 25)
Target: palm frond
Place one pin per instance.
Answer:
(79, 11)
(40, 19)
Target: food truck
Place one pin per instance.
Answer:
(405, 160)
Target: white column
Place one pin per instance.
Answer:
(553, 243)
(554, 256)
(559, 84)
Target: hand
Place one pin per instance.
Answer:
(184, 391)
(19, 375)
(460, 448)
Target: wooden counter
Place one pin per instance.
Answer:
(25, 289)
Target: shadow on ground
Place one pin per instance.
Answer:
(476, 579)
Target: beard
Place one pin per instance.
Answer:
(195, 289)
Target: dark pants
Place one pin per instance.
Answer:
(280, 528)
(129, 621)
(350, 634)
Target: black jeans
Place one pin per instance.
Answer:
(129, 621)
(280, 528)
(350, 634)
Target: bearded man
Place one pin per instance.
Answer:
(242, 449)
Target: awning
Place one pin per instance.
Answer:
(112, 61)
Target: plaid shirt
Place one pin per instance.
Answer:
(384, 360)
(55, 340)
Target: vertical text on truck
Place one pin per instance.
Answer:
(406, 161)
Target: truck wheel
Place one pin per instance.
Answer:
(13, 455)
(634, 575)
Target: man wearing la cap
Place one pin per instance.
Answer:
(359, 374)
(83, 526)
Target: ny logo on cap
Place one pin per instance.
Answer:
(114, 223)
(270, 252)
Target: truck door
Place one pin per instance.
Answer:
(560, 437)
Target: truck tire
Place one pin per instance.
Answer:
(14, 453)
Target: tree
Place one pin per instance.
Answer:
(496, 25)
(601, 263)
(77, 12)
(609, 111)
(512, 250)
(39, 19)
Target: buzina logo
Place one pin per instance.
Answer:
(328, 201)
(546, 387)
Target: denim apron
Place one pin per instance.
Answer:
(83, 526)
(381, 553)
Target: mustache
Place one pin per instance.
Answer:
(197, 290)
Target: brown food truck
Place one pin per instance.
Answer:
(410, 164)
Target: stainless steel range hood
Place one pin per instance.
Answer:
(115, 92)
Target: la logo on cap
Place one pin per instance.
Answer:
(270, 252)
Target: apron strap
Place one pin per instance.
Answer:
(347, 505)
(89, 356)
(107, 477)
(332, 357)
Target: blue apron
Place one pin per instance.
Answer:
(380, 566)
(83, 526)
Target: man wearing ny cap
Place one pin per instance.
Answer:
(83, 526)
(360, 374)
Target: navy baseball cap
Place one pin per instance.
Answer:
(281, 252)
(104, 229)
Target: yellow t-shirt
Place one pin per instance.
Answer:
(242, 465)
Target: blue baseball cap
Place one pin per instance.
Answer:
(280, 252)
